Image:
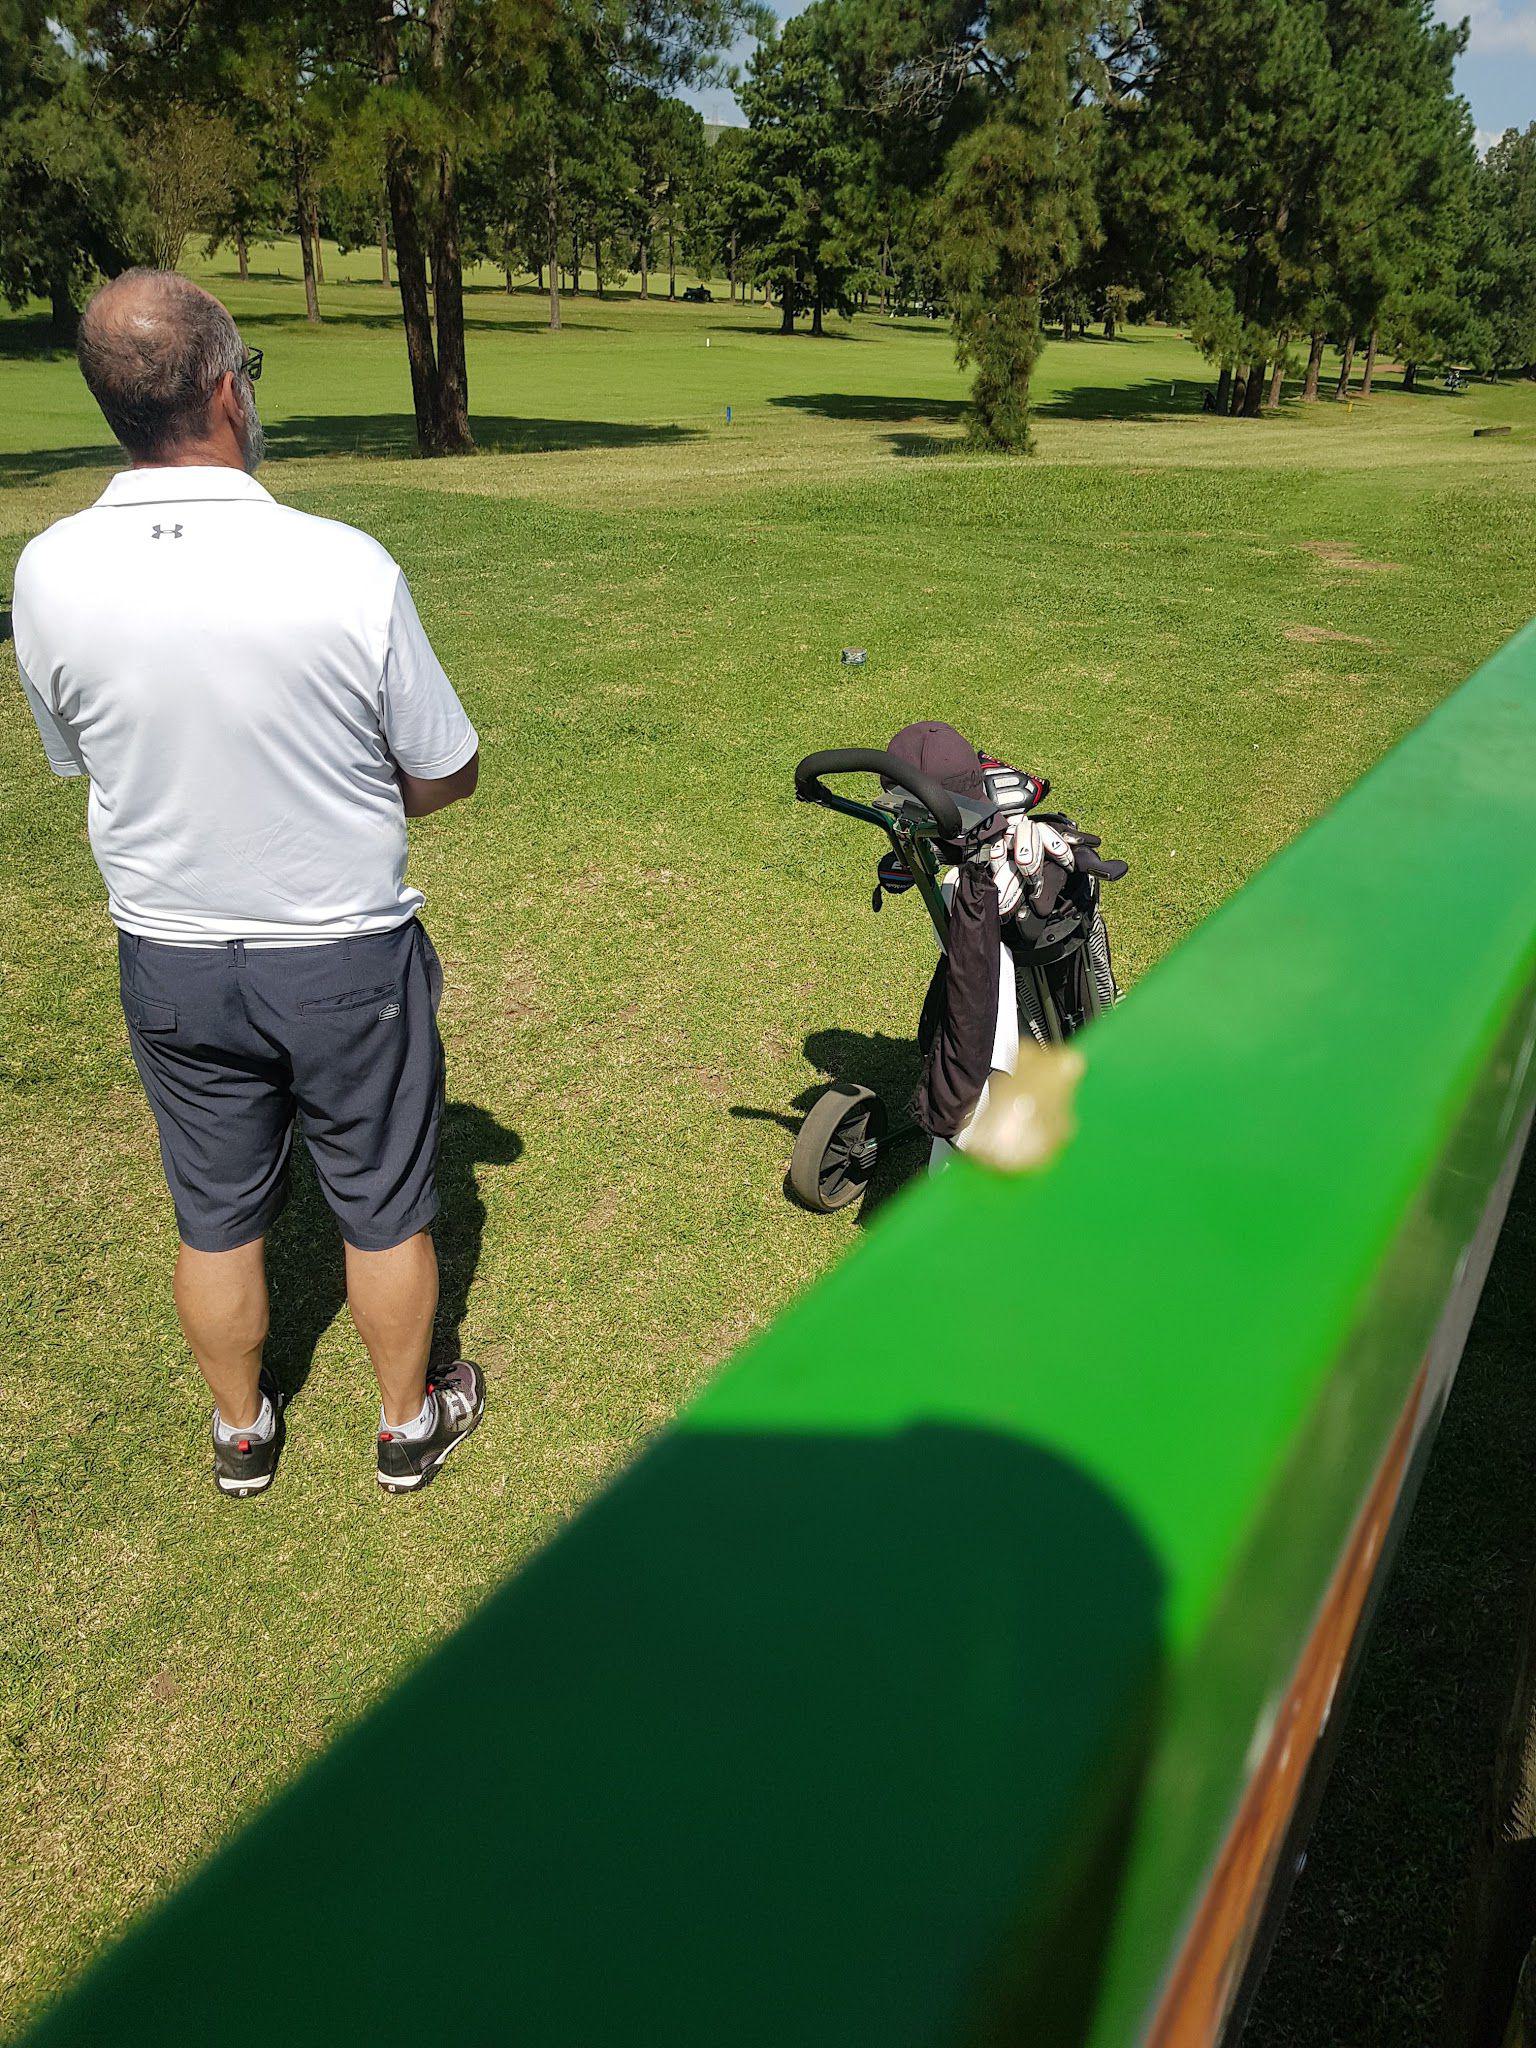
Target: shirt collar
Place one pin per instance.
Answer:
(172, 484)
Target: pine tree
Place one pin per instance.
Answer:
(1015, 206)
(801, 169)
(1507, 197)
(1231, 153)
(1400, 163)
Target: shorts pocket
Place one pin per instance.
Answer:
(147, 1016)
(352, 999)
(434, 971)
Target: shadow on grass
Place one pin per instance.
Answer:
(30, 338)
(1366, 1953)
(1143, 400)
(384, 320)
(394, 434)
(875, 1060)
(304, 1255)
(876, 409)
(877, 1689)
(1147, 400)
(373, 434)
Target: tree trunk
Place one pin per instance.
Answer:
(1341, 389)
(645, 268)
(552, 226)
(597, 264)
(1244, 299)
(306, 248)
(314, 236)
(507, 274)
(243, 256)
(1253, 398)
(454, 436)
(1370, 364)
(733, 266)
(410, 256)
(816, 311)
(384, 249)
(1276, 383)
(1224, 389)
(1314, 367)
(671, 259)
(787, 314)
(63, 315)
(1410, 376)
(1109, 325)
(885, 273)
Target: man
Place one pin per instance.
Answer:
(253, 697)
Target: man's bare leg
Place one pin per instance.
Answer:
(221, 1299)
(393, 1298)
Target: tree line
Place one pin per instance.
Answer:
(1273, 174)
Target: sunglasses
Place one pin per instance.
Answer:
(252, 364)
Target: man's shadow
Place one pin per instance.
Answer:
(304, 1256)
(891, 1066)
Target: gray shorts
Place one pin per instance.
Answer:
(231, 1042)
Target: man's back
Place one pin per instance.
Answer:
(240, 681)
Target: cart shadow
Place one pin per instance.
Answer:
(874, 1059)
(304, 1257)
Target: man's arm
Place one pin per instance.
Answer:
(435, 749)
(59, 743)
(422, 794)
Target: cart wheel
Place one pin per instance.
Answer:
(838, 1145)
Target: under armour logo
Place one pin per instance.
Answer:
(164, 532)
(389, 1010)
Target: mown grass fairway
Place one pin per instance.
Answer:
(1203, 630)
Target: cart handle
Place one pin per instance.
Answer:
(870, 761)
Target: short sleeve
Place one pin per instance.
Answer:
(59, 743)
(425, 725)
(58, 740)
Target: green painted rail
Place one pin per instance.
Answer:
(910, 1687)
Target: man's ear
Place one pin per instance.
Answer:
(226, 402)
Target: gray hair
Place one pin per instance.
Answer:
(153, 347)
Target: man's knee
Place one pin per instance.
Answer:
(225, 1289)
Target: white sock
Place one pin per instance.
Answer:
(412, 1432)
(258, 1431)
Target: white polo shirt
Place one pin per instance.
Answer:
(240, 681)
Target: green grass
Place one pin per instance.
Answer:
(1203, 630)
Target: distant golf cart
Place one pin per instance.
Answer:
(699, 295)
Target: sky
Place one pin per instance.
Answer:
(1497, 74)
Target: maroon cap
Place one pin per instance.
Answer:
(936, 749)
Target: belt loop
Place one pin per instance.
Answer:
(237, 948)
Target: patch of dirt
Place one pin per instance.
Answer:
(1310, 636)
(1343, 555)
(520, 996)
(604, 1211)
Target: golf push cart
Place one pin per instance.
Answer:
(1060, 949)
